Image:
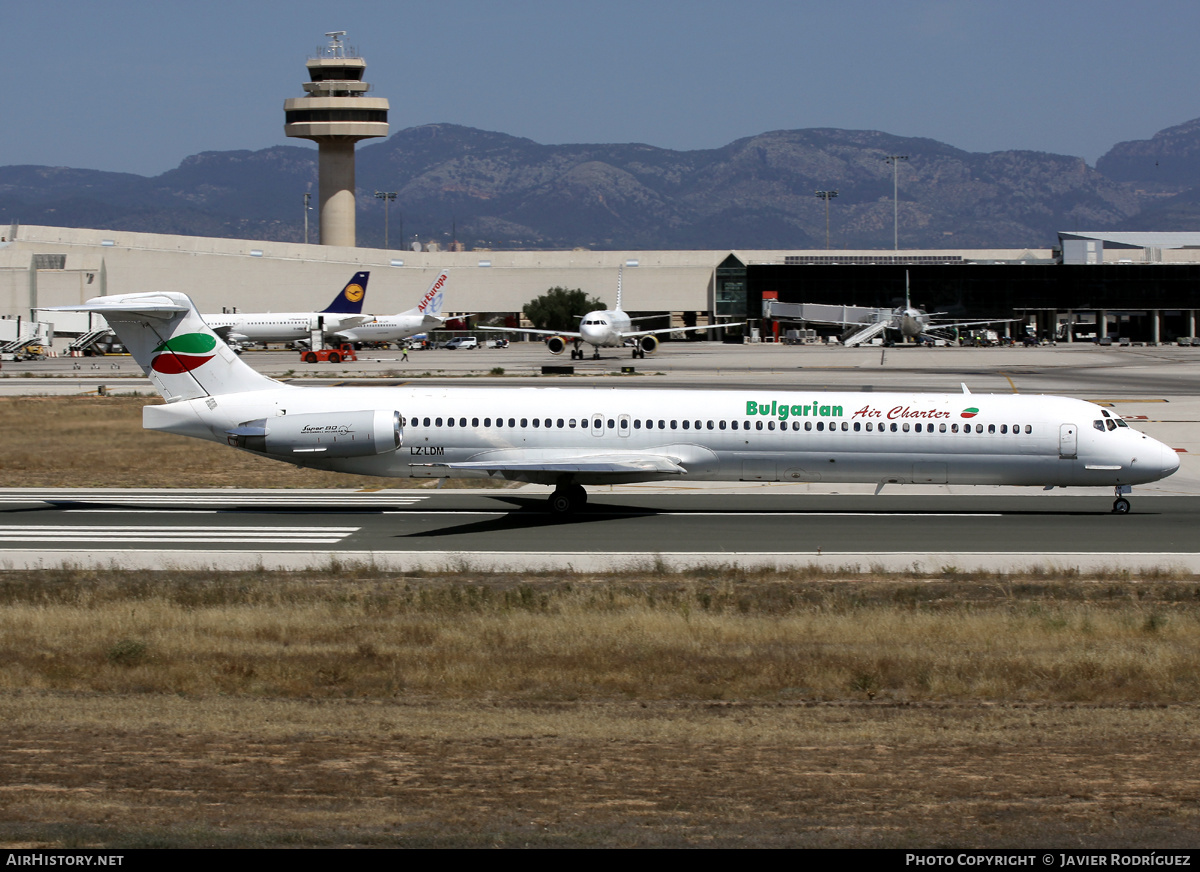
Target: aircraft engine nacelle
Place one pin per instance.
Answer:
(322, 435)
(648, 344)
(556, 345)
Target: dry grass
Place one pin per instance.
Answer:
(94, 441)
(355, 707)
(306, 636)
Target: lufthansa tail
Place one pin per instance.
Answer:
(349, 300)
(176, 350)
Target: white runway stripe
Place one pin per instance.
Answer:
(167, 498)
(216, 534)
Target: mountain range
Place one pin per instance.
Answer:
(492, 190)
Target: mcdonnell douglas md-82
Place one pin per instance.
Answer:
(570, 438)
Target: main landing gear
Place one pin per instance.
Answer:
(1120, 504)
(567, 499)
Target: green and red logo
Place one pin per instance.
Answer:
(969, 413)
(183, 353)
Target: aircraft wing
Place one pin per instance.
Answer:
(616, 464)
(947, 325)
(634, 334)
(573, 335)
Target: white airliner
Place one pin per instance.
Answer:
(425, 316)
(571, 438)
(907, 320)
(345, 311)
(605, 328)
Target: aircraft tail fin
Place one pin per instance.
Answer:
(431, 303)
(176, 350)
(619, 271)
(349, 300)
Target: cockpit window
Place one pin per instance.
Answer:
(1099, 425)
(1112, 425)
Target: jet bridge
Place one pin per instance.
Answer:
(866, 323)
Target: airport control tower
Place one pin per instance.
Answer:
(336, 114)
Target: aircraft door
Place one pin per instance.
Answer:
(1068, 441)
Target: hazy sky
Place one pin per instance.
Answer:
(138, 86)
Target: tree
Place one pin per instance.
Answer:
(560, 308)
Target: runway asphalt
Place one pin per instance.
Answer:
(682, 524)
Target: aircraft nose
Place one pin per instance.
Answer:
(1170, 460)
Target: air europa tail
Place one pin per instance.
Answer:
(176, 350)
(431, 302)
(349, 300)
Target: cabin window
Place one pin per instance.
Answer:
(474, 422)
(905, 426)
(894, 427)
(917, 427)
(942, 428)
(795, 425)
(560, 423)
(991, 429)
(438, 422)
(758, 425)
(449, 422)
(953, 428)
(487, 422)
(770, 425)
(536, 422)
(662, 425)
(1028, 429)
(857, 426)
(524, 422)
(426, 422)
(820, 426)
(637, 423)
(1003, 429)
(710, 425)
(674, 425)
(978, 428)
(611, 423)
(721, 424)
(686, 425)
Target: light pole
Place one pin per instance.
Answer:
(826, 196)
(307, 209)
(387, 197)
(894, 160)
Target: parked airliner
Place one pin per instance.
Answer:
(865, 324)
(605, 328)
(425, 316)
(345, 311)
(569, 438)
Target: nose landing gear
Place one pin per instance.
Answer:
(1120, 504)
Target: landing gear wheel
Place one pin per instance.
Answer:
(1120, 506)
(567, 500)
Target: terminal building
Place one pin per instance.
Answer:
(1145, 287)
